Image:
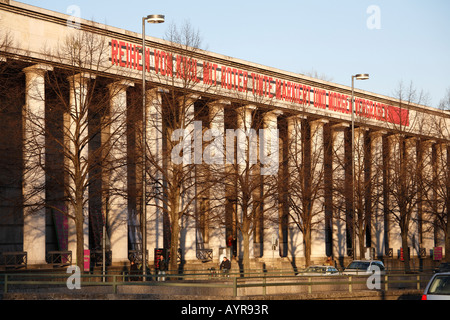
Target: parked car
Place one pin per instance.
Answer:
(364, 267)
(320, 271)
(443, 267)
(438, 288)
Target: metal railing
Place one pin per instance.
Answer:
(14, 259)
(250, 284)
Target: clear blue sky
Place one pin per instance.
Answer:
(396, 41)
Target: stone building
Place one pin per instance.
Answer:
(233, 148)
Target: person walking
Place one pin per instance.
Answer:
(225, 266)
(134, 270)
(162, 269)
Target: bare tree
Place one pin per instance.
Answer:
(306, 176)
(171, 166)
(437, 184)
(444, 104)
(403, 182)
(80, 132)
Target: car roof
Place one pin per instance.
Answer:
(442, 274)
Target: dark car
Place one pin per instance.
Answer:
(443, 267)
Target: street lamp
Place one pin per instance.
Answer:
(359, 76)
(153, 18)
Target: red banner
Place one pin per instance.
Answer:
(171, 65)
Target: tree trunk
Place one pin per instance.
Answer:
(447, 240)
(405, 249)
(307, 245)
(174, 243)
(246, 246)
(361, 236)
(79, 222)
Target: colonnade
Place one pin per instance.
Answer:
(314, 160)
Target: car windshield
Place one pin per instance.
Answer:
(332, 270)
(360, 265)
(440, 285)
(315, 269)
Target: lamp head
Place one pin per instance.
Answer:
(362, 76)
(155, 18)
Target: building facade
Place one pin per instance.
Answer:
(234, 150)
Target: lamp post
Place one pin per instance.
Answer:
(153, 18)
(360, 76)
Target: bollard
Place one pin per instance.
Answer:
(350, 289)
(5, 288)
(309, 286)
(418, 282)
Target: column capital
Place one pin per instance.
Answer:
(121, 83)
(378, 133)
(247, 107)
(276, 112)
(299, 116)
(340, 126)
(222, 102)
(81, 76)
(38, 68)
(319, 121)
(188, 98)
(361, 129)
(428, 142)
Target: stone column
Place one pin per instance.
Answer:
(192, 134)
(76, 132)
(318, 246)
(269, 155)
(426, 235)
(413, 232)
(295, 178)
(339, 203)
(246, 156)
(378, 242)
(394, 164)
(440, 176)
(34, 164)
(155, 212)
(216, 154)
(118, 182)
(360, 189)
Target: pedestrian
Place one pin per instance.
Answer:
(133, 271)
(225, 266)
(162, 267)
(329, 262)
(230, 244)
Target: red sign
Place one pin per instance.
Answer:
(128, 55)
(87, 260)
(437, 253)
